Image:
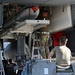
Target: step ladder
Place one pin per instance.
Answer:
(36, 46)
(1, 65)
(36, 49)
(36, 53)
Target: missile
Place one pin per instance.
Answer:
(26, 14)
(29, 13)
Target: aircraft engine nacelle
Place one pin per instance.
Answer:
(10, 51)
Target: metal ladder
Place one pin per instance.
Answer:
(36, 47)
(35, 52)
(1, 65)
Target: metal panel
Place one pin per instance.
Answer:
(39, 67)
(28, 26)
(61, 19)
(43, 67)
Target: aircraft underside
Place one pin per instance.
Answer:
(32, 29)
